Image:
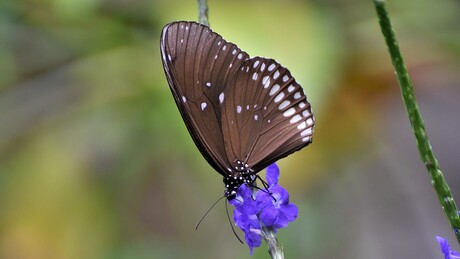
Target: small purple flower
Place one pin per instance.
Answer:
(446, 250)
(245, 216)
(276, 212)
(271, 210)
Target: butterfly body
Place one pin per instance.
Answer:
(243, 113)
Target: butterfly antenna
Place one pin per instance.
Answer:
(199, 222)
(231, 225)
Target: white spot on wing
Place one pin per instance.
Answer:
(256, 64)
(297, 95)
(285, 78)
(262, 67)
(184, 99)
(276, 75)
(221, 97)
(289, 112)
(254, 76)
(181, 41)
(169, 57)
(295, 119)
(208, 84)
(247, 107)
(240, 56)
(224, 48)
(309, 121)
(302, 104)
(238, 109)
(306, 132)
(266, 81)
(231, 64)
(306, 139)
(203, 105)
(271, 67)
(302, 125)
(186, 28)
(284, 104)
(274, 89)
(306, 113)
(215, 57)
(234, 52)
(247, 69)
(256, 117)
(279, 97)
(218, 43)
(291, 88)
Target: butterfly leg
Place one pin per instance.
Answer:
(264, 183)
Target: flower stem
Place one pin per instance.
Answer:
(426, 153)
(274, 249)
(203, 12)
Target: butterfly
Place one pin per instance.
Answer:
(243, 113)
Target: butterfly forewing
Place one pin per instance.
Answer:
(198, 64)
(266, 115)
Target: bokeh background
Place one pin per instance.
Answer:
(95, 161)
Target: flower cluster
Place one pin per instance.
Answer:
(446, 250)
(268, 209)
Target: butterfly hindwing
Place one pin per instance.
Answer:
(266, 115)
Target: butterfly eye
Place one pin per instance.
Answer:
(243, 113)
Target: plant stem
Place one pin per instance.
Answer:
(426, 153)
(274, 249)
(203, 12)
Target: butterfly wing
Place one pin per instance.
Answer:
(266, 115)
(198, 63)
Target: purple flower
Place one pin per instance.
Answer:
(446, 250)
(245, 216)
(270, 208)
(275, 210)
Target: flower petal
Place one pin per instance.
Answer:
(273, 174)
(280, 194)
(268, 216)
(253, 239)
(446, 250)
(290, 211)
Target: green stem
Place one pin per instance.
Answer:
(426, 153)
(203, 12)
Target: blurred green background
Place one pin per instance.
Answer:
(95, 161)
